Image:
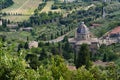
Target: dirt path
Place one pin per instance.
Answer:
(47, 7)
(57, 39)
(60, 38)
(86, 8)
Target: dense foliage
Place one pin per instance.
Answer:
(15, 65)
(44, 18)
(40, 7)
(3, 26)
(5, 3)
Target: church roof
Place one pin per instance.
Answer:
(115, 30)
(82, 29)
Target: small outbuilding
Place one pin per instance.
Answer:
(26, 29)
(33, 44)
(0, 22)
(12, 26)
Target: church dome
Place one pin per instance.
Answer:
(82, 29)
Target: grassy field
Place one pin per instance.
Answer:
(25, 7)
(16, 18)
(22, 7)
(19, 35)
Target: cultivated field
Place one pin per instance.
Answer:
(25, 7)
(19, 35)
(22, 6)
(47, 8)
(16, 18)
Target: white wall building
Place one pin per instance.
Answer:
(1, 23)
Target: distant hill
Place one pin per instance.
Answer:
(5, 3)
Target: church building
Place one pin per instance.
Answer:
(83, 35)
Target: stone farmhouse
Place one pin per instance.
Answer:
(115, 33)
(112, 36)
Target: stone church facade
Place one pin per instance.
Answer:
(83, 35)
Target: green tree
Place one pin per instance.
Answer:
(20, 46)
(26, 46)
(33, 60)
(59, 69)
(98, 74)
(104, 58)
(43, 54)
(65, 39)
(112, 72)
(55, 51)
(83, 56)
(83, 74)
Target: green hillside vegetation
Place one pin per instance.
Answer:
(51, 25)
(47, 63)
(58, 25)
(111, 21)
(22, 9)
(5, 3)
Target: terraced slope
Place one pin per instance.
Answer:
(24, 7)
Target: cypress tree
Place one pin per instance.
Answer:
(26, 46)
(20, 46)
(65, 39)
(83, 56)
(104, 58)
(43, 54)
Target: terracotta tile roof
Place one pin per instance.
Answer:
(71, 68)
(115, 30)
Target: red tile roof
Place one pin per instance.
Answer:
(71, 67)
(115, 30)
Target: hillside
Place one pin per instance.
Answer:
(60, 40)
(21, 10)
